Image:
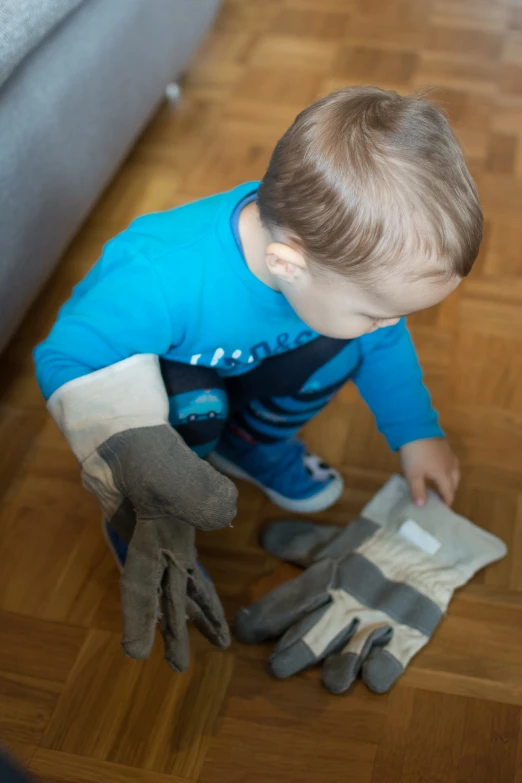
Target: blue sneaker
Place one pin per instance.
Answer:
(292, 478)
(116, 544)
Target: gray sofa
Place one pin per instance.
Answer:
(78, 81)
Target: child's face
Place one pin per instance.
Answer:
(335, 307)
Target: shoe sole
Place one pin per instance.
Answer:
(320, 502)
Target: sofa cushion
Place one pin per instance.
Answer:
(23, 24)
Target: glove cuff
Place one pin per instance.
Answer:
(460, 548)
(126, 395)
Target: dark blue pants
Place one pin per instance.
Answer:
(268, 404)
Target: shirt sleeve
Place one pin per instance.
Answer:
(389, 379)
(117, 311)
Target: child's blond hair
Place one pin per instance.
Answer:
(366, 180)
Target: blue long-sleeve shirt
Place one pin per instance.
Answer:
(176, 284)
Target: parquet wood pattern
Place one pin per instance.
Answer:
(71, 706)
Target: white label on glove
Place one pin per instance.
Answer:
(419, 537)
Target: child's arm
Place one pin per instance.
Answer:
(117, 311)
(389, 379)
(100, 373)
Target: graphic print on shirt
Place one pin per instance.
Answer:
(253, 356)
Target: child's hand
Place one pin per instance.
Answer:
(431, 459)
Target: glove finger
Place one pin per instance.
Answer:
(140, 591)
(303, 644)
(385, 665)
(269, 617)
(216, 635)
(305, 542)
(174, 620)
(380, 670)
(342, 669)
(208, 497)
(205, 609)
(296, 542)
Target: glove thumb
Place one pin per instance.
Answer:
(297, 542)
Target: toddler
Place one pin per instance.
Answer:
(263, 301)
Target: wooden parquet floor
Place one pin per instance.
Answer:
(72, 708)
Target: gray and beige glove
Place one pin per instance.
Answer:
(155, 492)
(373, 592)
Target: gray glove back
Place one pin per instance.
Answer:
(374, 591)
(154, 491)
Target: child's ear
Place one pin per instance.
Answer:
(285, 262)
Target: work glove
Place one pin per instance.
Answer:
(155, 492)
(372, 593)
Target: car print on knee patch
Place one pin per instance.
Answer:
(200, 405)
